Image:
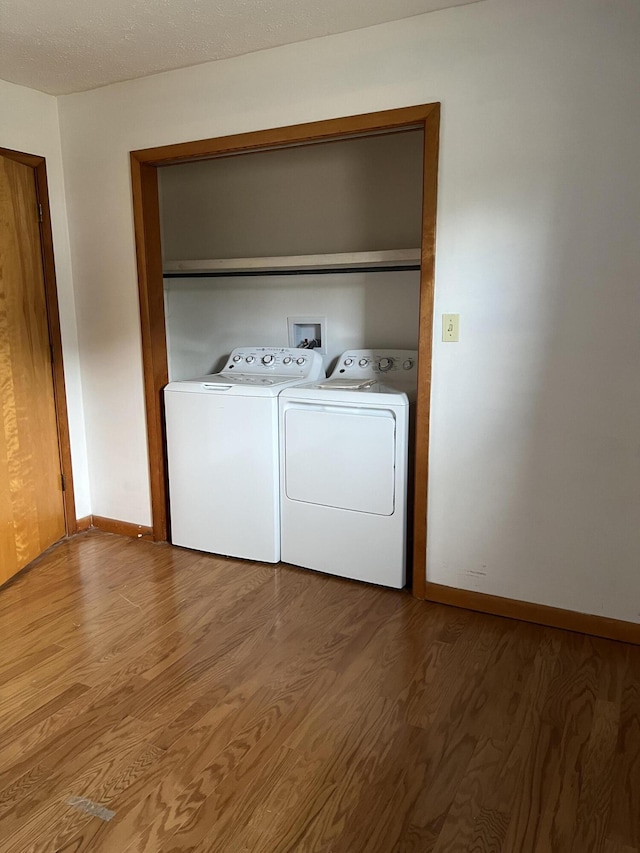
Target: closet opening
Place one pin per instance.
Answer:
(305, 228)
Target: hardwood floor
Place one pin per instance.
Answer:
(214, 705)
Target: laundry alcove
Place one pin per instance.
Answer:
(158, 281)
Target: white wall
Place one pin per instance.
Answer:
(30, 124)
(207, 317)
(535, 458)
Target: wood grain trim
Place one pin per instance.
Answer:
(425, 348)
(32, 160)
(121, 528)
(55, 335)
(83, 524)
(296, 134)
(146, 214)
(38, 164)
(540, 614)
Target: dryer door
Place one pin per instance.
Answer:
(340, 456)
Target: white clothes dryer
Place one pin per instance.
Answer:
(222, 452)
(344, 468)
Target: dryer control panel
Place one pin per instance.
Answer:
(286, 362)
(396, 367)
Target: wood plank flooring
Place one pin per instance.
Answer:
(216, 705)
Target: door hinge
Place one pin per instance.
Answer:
(40, 214)
(64, 483)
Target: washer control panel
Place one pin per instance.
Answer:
(396, 367)
(286, 362)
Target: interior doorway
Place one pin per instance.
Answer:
(144, 165)
(36, 490)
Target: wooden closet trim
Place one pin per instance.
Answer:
(39, 166)
(146, 213)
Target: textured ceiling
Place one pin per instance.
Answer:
(72, 45)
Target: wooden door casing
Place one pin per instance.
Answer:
(146, 210)
(32, 514)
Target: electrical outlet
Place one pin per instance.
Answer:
(451, 327)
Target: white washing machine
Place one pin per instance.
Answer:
(344, 468)
(222, 451)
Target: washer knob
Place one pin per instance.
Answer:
(267, 359)
(348, 362)
(408, 364)
(385, 364)
(237, 358)
(250, 359)
(300, 360)
(363, 362)
(287, 359)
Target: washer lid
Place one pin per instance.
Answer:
(235, 384)
(253, 379)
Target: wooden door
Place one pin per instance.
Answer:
(31, 499)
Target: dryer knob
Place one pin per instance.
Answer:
(408, 364)
(363, 362)
(287, 359)
(300, 360)
(250, 359)
(237, 358)
(385, 364)
(348, 362)
(267, 359)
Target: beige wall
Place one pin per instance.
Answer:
(30, 124)
(349, 196)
